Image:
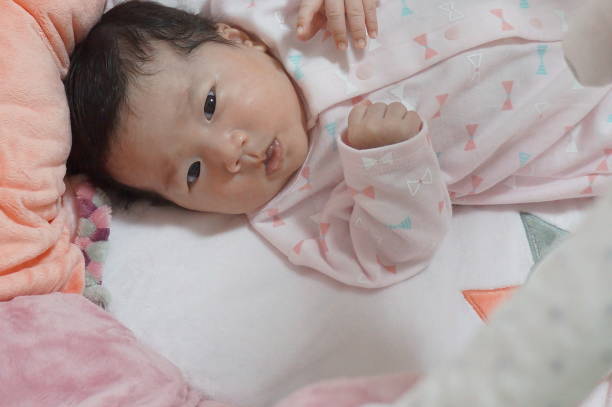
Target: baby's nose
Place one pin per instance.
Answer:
(232, 153)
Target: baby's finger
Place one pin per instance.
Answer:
(308, 10)
(376, 111)
(336, 23)
(413, 121)
(356, 22)
(369, 8)
(357, 114)
(396, 110)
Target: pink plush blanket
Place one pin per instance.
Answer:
(91, 361)
(95, 361)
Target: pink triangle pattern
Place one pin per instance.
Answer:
(603, 165)
(323, 245)
(500, 14)
(471, 128)
(476, 181)
(429, 141)
(276, 219)
(589, 190)
(441, 101)
(370, 192)
(324, 228)
(441, 206)
(298, 247)
(422, 40)
(251, 4)
(508, 87)
(390, 268)
(305, 173)
(471, 144)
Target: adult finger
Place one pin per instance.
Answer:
(306, 14)
(356, 21)
(336, 23)
(371, 21)
(318, 22)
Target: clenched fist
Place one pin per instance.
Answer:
(379, 124)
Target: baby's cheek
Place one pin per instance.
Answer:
(246, 195)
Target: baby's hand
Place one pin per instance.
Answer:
(379, 124)
(361, 15)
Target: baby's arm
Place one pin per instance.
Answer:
(383, 224)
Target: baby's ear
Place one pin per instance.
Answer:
(240, 36)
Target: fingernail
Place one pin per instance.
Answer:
(342, 46)
(300, 30)
(361, 44)
(374, 34)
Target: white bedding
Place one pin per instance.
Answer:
(247, 327)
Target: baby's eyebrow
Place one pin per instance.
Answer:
(186, 102)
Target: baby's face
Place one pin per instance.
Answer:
(221, 130)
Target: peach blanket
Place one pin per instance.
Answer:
(36, 38)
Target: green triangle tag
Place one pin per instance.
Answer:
(541, 235)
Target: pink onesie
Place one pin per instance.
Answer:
(505, 122)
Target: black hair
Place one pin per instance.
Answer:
(102, 68)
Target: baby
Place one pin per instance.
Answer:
(323, 147)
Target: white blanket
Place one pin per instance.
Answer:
(247, 327)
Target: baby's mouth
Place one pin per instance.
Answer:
(274, 157)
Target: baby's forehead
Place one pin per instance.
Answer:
(164, 70)
(162, 56)
(159, 96)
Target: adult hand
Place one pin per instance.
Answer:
(359, 16)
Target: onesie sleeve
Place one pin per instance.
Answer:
(386, 220)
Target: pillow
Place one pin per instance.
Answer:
(36, 38)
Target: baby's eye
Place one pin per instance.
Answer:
(194, 173)
(210, 104)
